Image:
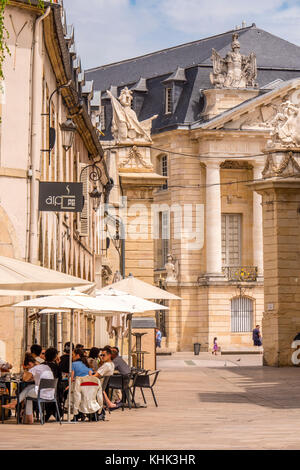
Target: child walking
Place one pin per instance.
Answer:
(215, 347)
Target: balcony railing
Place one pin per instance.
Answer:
(241, 273)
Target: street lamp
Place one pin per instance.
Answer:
(95, 195)
(68, 130)
(51, 130)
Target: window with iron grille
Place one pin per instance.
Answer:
(241, 315)
(168, 101)
(231, 239)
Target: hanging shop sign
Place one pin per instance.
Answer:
(61, 197)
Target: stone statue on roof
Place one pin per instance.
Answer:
(236, 70)
(126, 127)
(285, 127)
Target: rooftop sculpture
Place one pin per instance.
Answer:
(236, 70)
(126, 127)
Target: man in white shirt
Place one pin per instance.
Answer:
(36, 372)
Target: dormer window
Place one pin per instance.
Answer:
(168, 100)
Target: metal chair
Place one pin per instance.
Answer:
(142, 380)
(5, 398)
(46, 384)
(121, 382)
(105, 389)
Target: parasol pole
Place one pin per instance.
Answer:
(70, 365)
(129, 338)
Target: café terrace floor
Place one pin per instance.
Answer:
(205, 402)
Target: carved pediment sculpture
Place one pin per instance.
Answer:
(285, 127)
(135, 160)
(126, 127)
(282, 164)
(236, 70)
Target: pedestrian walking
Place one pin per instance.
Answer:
(158, 337)
(215, 347)
(256, 336)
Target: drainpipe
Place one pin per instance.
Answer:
(35, 152)
(36, 81)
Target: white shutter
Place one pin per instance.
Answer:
(85, 214)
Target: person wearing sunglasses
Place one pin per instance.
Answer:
(107, 368)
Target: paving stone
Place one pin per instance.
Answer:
(205, 406)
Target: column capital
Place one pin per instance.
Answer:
(213, 163)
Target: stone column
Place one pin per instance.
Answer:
(213, 219)
(281, 242)
(257, 222)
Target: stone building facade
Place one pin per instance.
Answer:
(216, 101)
(42, 59)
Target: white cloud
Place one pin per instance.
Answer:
(112, 30)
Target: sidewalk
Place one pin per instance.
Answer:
(203, 404)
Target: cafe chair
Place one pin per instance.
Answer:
(5, 398)
(88, 397)
(46, 384)
(121, 382)
(143, 380)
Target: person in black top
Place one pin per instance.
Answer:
(52, 361)
(256, 336)
(64, 360)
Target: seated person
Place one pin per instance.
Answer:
(93, 359)
(36, 351)
(106, 369)
(4, 366)
(52, 360)
(80, 366)
(33, 371)
(120, 365)
(122, 368)
(42, 355)
(64, 360)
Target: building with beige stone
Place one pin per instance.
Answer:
(215, 101)
(42, 59)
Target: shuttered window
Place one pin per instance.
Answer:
(168, 101)
(165, 236)
(164, 170)
(84, 216)
(163, 245)
(241, 315)
(231, 239)
(103, 118)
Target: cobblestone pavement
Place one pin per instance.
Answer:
(205, 402)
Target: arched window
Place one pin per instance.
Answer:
(241, 314)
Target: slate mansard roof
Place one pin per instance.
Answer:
(276, 59)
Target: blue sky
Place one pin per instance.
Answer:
(112, 30)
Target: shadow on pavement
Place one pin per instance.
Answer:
(270, 387)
